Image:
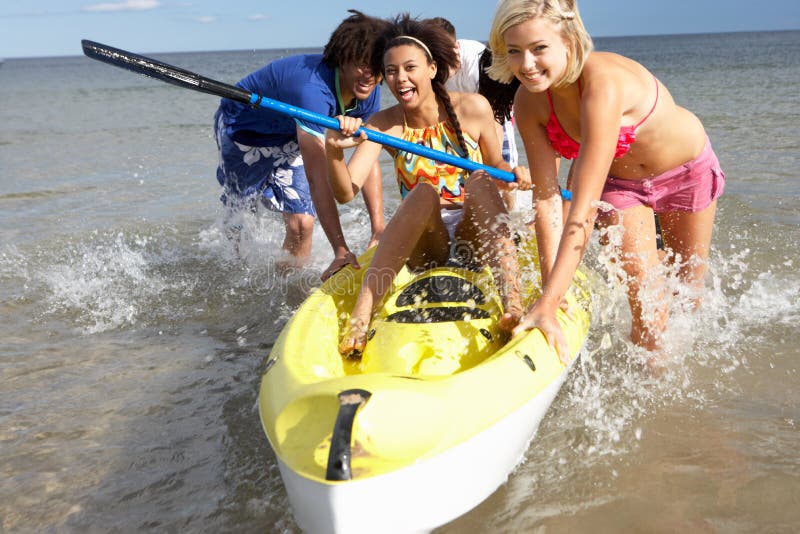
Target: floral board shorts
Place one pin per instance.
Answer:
(272, 174)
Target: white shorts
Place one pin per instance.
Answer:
(451, 218)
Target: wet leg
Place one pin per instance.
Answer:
(485, 227)
(415, 232)
(646, 293)
(297, 241)
(688, 236)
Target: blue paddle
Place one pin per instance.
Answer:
(190, 80)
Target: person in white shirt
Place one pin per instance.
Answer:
(465, 79)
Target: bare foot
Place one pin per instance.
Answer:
(512, 312)
(658, 363)
(355, 339)
(288, 264)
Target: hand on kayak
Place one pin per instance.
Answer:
(538, 317)
(340, 262)
(354, 340)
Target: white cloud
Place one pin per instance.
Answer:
(257, 16)
(206, 19)
(127, 5)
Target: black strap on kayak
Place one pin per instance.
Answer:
(339, 455)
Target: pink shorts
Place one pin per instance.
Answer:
(692, 186)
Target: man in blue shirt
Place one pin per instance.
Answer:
(279, 161)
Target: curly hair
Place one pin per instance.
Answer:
(355, 42)
(500, 95)
(434, 41)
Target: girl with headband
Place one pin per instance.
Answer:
(442, 205)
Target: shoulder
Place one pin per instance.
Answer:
(606, 69)
(299, 62)
(290, 73)
(470, 104)
(473, 111)
(608, 76)
(531, 107)
(308, 78)
(389, 120)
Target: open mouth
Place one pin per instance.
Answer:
(406, 93)
(534, 77)
(365, 86)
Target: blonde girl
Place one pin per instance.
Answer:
(633, 147)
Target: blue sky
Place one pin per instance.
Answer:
(55, 27)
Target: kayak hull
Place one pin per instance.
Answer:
(422, 496)
(430, 421)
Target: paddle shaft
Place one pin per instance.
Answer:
(190, 80)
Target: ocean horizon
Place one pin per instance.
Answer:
(312, 49)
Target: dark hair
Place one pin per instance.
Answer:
(355, 41)
(439, 50)
(500, 95)
(446, 25)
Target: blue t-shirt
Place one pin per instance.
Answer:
(303, 81)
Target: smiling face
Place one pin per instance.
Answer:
(408, 74)
(357, 81)
(537, 55)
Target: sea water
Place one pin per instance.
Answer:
(133, 337)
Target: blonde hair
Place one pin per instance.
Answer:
(562, 13)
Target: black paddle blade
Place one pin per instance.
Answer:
(162, 71)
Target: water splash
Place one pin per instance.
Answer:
(164, 275)
(105, 285)
(13, 267)
(612, 389)
(256, 239)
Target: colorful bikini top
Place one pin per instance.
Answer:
(447, 179)
(568, 148)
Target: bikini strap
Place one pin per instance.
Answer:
(550, 99)
(651, 109)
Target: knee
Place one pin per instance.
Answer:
(636, 272)
(300, 226)
(424, 194)
(481, 188)
(480, 183)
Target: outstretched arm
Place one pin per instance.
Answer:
(313, 151)
(601, 112)
(548, 221)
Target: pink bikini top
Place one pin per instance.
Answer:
(568, 148)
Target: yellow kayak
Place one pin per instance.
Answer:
(433, 418)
